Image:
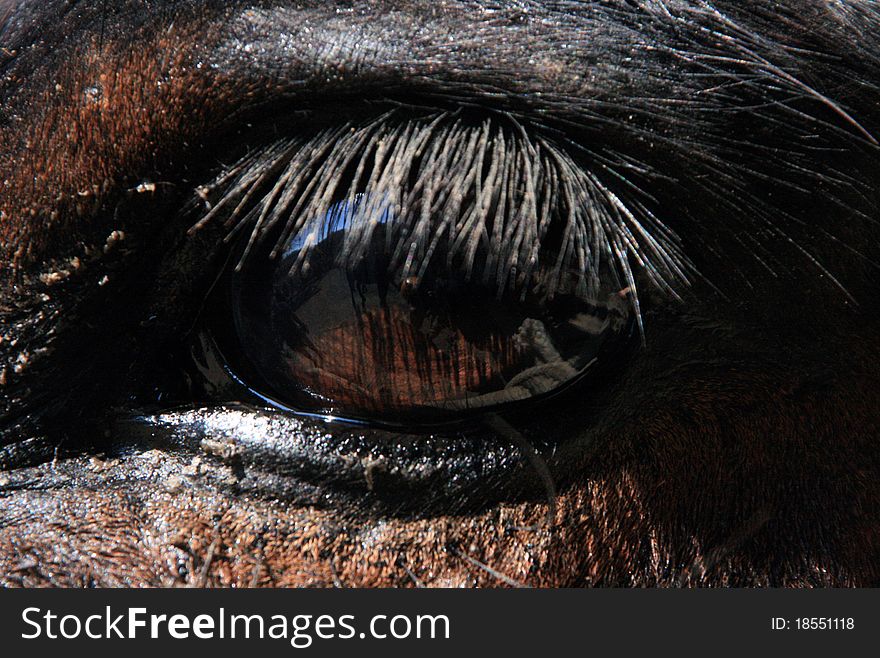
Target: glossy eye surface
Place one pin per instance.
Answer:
(331, 329)
(419, 268)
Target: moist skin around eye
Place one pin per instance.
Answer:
(336, 329)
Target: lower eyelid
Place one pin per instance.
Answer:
(312, 461)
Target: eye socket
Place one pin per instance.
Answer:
(334, 329)
(421, 269)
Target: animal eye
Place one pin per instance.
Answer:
(360, 335)
(418, 271)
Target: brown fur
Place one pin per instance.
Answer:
(735, 475)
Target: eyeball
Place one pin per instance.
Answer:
(334, 321)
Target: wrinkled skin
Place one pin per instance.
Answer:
(735, 445)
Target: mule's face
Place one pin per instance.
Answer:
(727, 435)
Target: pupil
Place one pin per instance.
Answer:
(334, 325)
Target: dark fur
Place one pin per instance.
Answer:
(738, 446)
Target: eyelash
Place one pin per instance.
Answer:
(455, 185)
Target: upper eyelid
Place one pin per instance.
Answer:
(447, 74)
(130, 108)
(447, 186)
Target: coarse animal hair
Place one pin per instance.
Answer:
(737, 447)
(484, 195)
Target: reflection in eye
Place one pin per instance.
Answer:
(364, 338)
(428, 267)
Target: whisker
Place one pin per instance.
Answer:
(418, 582)
(504, 578)
(535, 460)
